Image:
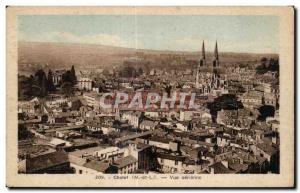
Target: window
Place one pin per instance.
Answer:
(80, 171)
(262, 155)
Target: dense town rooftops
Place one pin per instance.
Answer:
(86, 152)
(237, 167)
(133, 136)
(120, 163)
(267, 148)
(99, 166)
(45, 161)
(159, 139)
(219, 168)
(171, 157)
(73, 127)
(209, 139)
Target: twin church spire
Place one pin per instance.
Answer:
(215, 62)
(203, 64)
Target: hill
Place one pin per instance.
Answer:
(33, 55)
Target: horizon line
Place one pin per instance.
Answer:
(145, 49)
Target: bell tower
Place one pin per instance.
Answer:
(202, 62)
(216, 62)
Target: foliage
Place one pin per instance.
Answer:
(67, 89)
(73, 75)
(36, 85)
(266, 65)
(128, 72)
(23, 132)
(40, 85)
(50, 84)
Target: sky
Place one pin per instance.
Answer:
(247, 34)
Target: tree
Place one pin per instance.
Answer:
(40, 77)
(263, 62)
(274, 65)
(147, 67)
(70, 76)
(69, 80)
(128, 72)
(266, 111)
(50, 84)
(67, 89)
(73, 75)
(66, 77)
(140, 71)
(25, 89)
(268, 65)
(38, 85)
(23, 132)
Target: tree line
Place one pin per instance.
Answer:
(41, 84)
(267, 65)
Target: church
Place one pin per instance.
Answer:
(208, 77)
(215, 64)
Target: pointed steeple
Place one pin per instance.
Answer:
(203, 50)
(216, 51)
(216, 62)
(202, 62)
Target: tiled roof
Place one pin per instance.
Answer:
(269, 149)
(237, 166)
(219, 168)
(46, 161)
(171, 157)
(125, 161)
(97, 165)
(134, 136)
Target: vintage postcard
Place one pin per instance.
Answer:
(150, 97)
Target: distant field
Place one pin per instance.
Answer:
(84, 56)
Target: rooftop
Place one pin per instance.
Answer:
(46, 161)
(97, 165)
(120, 163)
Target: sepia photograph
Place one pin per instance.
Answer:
(150, 97)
